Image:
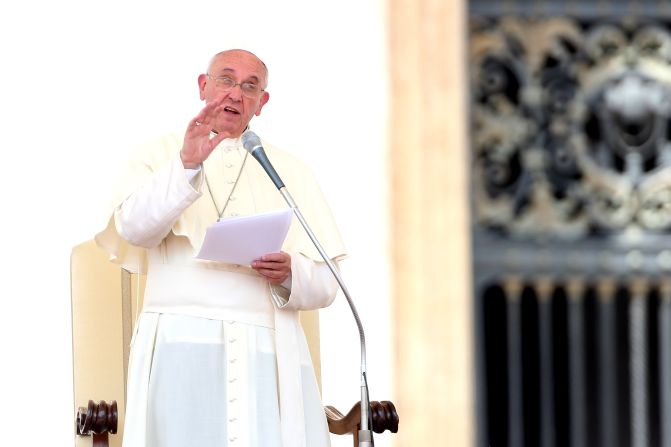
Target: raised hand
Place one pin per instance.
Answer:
(197, 142)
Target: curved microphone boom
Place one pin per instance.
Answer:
(252, 143)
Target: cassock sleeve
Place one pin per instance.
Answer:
(148, 214)
(312, 286)
(152, 194)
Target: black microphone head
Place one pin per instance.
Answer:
(250, 141)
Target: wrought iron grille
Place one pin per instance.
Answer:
(571, 209)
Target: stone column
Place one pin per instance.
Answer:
(430, 238)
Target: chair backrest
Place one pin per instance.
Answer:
(106, 300)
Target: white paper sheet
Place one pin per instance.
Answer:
(241, 240)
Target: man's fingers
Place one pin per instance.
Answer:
(272, 269)
(207, 113)
(276, 257)
(270, 273)
(276, 266)
(197, 121)
(218, 139)
(273, 276)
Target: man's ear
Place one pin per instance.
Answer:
(264, 99)
(202, 80)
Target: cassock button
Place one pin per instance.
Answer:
(232, 438)
(232, 399)
(232, 380)
(229, 165)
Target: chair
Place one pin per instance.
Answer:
(106, 300)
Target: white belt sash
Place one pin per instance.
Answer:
(241, 297)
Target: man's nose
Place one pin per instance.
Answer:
(235, 92)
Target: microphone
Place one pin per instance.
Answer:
(252, 143)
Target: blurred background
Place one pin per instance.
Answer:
(570, 177)
(500, 172)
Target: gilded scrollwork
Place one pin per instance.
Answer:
(570, 124)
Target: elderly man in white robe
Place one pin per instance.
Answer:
(218, 357)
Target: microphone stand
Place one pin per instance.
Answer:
(365, 432)
(252, 143)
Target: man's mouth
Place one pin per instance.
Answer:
(231, 110)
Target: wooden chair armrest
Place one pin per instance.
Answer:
(98, 420)
(383, 417)
(101, 419)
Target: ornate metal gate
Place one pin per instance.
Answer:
(571, 188)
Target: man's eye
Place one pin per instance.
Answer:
(249, 86)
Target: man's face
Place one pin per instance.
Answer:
(241, 67)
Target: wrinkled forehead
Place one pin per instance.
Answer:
(243, 64)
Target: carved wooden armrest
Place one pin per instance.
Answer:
(98, 420)
(101, 419)
(383, 417)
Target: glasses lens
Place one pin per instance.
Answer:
(249, 90)
(225, 82)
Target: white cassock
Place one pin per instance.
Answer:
(218, 357)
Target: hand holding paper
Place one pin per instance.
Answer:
(241, 240)
(274, 267)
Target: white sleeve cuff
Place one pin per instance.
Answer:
(280, 295)
(191, 173)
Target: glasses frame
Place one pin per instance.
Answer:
(242, 90)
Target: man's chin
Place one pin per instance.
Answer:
(232, 130)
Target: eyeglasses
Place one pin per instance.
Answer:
(226, 83)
